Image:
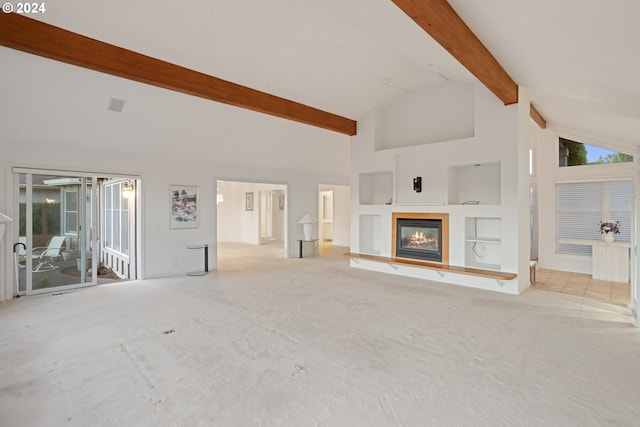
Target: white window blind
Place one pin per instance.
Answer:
(580, 206)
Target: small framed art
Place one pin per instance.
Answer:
(248, 202)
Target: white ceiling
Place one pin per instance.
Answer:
(580, 58)
(577, 57)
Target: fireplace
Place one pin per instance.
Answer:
(421, 236)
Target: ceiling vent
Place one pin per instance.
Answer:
(116, 105)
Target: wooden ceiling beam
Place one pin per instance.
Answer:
(38, 38)
(445, 26)
(537, 117)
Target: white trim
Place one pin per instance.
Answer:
(62, 288)
(68, 172)
(578, 180)
(585, 242)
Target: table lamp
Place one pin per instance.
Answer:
(307, 221)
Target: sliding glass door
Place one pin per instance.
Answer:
(56, 231)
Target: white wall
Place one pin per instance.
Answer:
(441, 112)
(496, 139)
(164, 250)
(61, 121)
(341, 215)
(279, 214)
(634, 299)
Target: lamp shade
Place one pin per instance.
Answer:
(306, 222)
(308, 219)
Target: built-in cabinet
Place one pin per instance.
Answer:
(476, 177)
(483, 242)
(611, 261)
(477, 186)
(376, 188)
(478, 183)
(370, 234)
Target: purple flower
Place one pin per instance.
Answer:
(609, 227)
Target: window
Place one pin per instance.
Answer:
(116, 218)
(572, 153)
(70, 211)
(531, 161)
(580, 206)
(533, 223)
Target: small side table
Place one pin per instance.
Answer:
(314, 241)
(206, 260)
(611, 261)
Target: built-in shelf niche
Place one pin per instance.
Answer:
(376, 188)
(483, 242)
(477, 183)
(370, 236)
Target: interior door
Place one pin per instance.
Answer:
(55, 228)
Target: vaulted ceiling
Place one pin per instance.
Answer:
(577, 57)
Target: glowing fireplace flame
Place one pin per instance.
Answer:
(420, 240)
(418, 237)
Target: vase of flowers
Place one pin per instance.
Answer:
(609, 229)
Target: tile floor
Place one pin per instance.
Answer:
(582, 285)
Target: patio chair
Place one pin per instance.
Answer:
(46, 255)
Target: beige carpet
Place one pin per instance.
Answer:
(267, 341)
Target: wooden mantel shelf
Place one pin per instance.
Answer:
(441, 268)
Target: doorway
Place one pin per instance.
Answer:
(250, 214)
(65, 225)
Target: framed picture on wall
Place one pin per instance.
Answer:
(249, 202)
(184, 206)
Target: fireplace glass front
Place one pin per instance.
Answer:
(419, 239)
